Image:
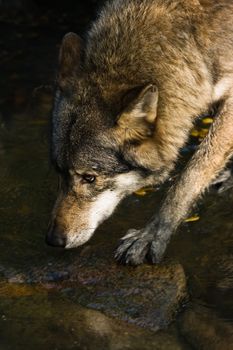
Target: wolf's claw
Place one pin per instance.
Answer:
(132, 249)
(137, 247)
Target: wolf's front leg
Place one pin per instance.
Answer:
(150, 242)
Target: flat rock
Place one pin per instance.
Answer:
(148, 296)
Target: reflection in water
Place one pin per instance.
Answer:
(38, 301)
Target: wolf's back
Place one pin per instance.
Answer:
(134, 33)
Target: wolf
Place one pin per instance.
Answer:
(127, 95)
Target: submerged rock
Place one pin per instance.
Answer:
(203, 329)
(29, 319)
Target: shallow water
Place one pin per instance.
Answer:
(42, 312)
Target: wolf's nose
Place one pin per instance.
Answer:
(55, 237)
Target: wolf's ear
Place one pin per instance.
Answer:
(69, 59)
(138, 118)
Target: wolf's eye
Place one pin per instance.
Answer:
(89, 178)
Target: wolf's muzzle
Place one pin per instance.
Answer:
(55, 237)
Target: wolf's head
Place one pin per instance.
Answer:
(103, 148)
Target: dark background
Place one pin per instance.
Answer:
(39, 6)
(31, 33)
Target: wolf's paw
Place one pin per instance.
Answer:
(138, 246)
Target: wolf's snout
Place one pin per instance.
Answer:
(55, 237)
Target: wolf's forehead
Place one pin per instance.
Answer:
(90, 149)
(99, 158)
